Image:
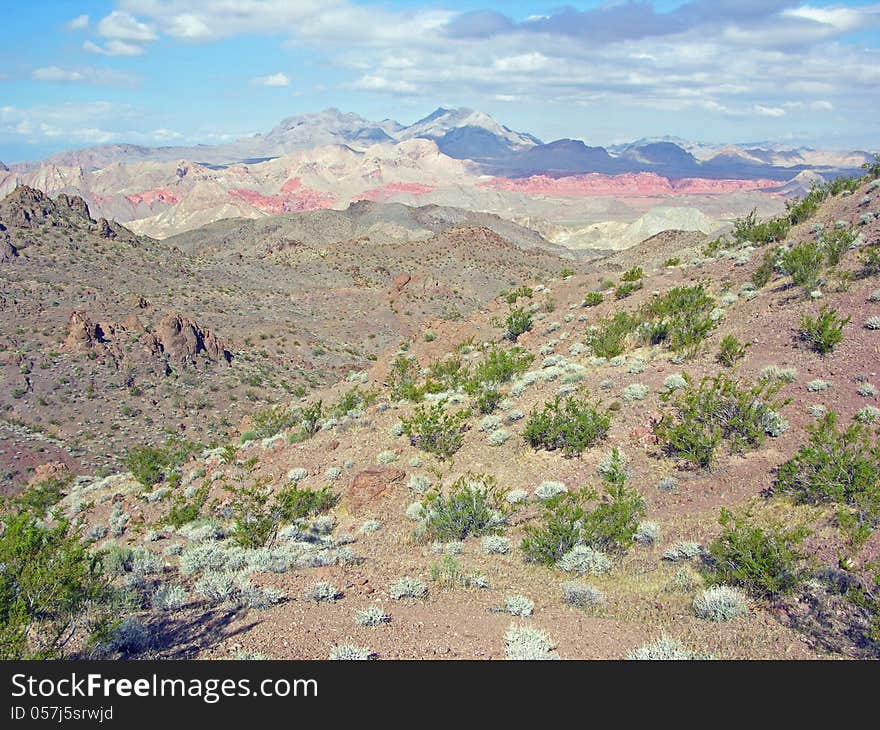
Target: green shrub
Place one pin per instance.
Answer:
(559, 529)
(403, 379)
(434, 429)
(764, 560)
(294, 503)
(801, 209)
(764, 273)
(670, 262)
(634, 274)
(748, 229)
(518, 322)
(626, 289)
(473, 505)
(803, 263)
(37, 499)
(680, 318)
(840, 467)
(354, 399)
(498, 367)
(825, 332)
(523, 292)
(445, 375)
(184, 511)
(272, 421)
(718, 409)
(566, 273)
(571, 425)
(731, 351)
(871, 261)
(593, 299)
(487, 400)
(612, 525)
(836, 243)
(609, 337)
(151, 465)
(52, 591)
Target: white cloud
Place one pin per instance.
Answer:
(80, 22)
(89, 75)
(277, 79)
(523, 62)
(114, 48)
(125, 27)
(53, 73)
(373, 82)
(768, 111)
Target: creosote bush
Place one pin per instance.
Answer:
(731, 351)
(435, 429)
(765, 560)
(473, 505)
(571, 425)
(718, 409)
(824, 333)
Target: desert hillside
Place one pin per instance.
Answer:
(668, 452)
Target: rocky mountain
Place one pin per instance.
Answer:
(108, 337)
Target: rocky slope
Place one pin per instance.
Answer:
(300, 595)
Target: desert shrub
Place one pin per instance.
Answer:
(448, 574)
(258, 514)
(38, 498)
(593, 299)
(495, 545)
(372, 616)
(548, 489)
(147, 464)
(350, 652)
(518, 322)
(801, 209)
(271, 421)
(608, 338)
(682, 551)
(731, 351)
(647, 533)
(634, 392)
(680, 319)
(664, 649)
(169, 597)
(403, 379)
(353, 399)
(523, 292)
(407, 588)
(570, 425)
(582, 595)
(840, 467)
(872, 323)
(52, 590)
(434, 429)
(673, 261)
(721, 603)
(582, 559)
(803, 263)
(719, 409)
(473, 505)
(323, 592)
(836, 243)
(870, 261)
(517, 605)
(763, 560)
(627, 289)
(762, 275)
(183, 510)
(487, 400)
(499, 366)
(559, 530)
(634, 274)
(526, 643)
(825, 332)
(760, 233)
(445, 375)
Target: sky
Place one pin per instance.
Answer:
(76, 73)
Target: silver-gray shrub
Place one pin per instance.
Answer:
(582, 595)
(517, 605)
(495, 545)
(407, 588)
(371, 616)
(582, 559)
(169, 597)
(522, 642)
(721, 603)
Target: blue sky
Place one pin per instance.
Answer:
(75, 73)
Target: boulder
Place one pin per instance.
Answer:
(372, 485)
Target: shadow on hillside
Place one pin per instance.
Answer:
(183, 636)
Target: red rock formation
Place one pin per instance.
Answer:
(640, 184)
(371, 485)
(182, 340)
(384, 192)
(151, 197)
